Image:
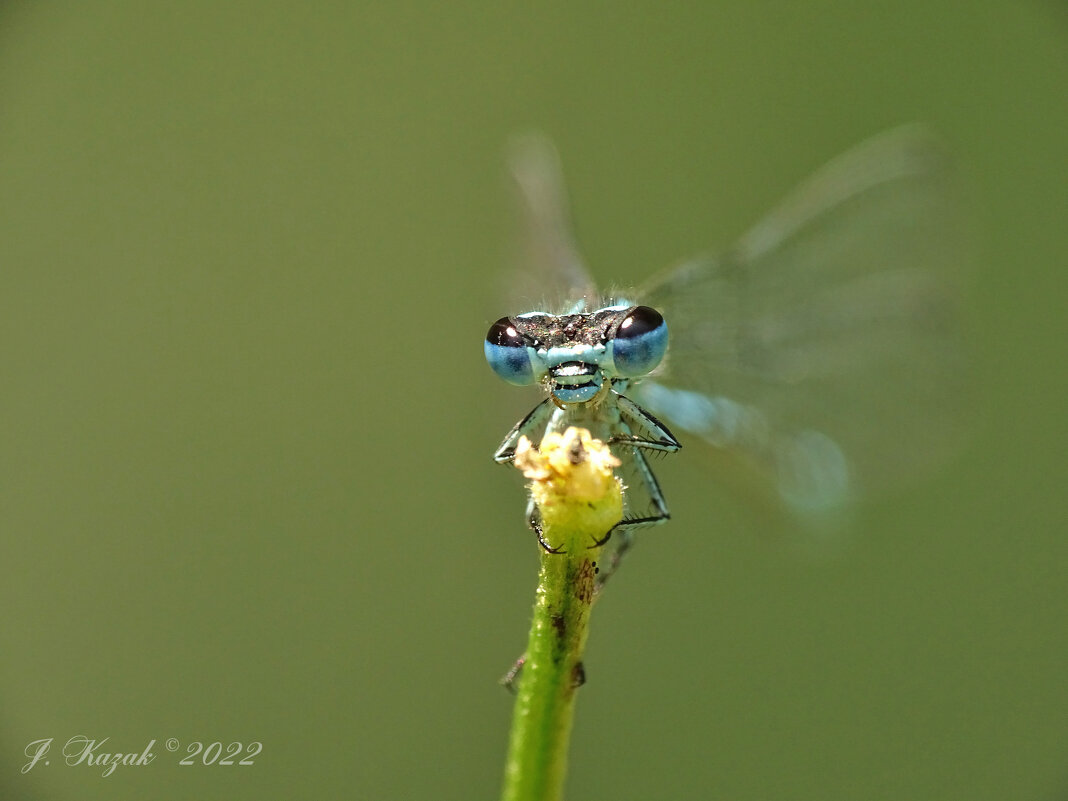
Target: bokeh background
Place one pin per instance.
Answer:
(248, 253)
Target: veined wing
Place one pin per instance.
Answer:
(551, 276)
(822, 350)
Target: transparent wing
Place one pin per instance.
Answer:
(551, 275)
(822, 351)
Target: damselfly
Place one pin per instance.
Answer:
(817, 354)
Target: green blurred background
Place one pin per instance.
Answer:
(248, 253)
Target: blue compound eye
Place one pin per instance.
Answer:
(507, 353)
(640, 342)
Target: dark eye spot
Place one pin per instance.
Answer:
(641, 320)
(503, 334)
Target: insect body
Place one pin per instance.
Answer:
(587, 361)
(818, 355)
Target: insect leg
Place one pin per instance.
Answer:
(537, 419)
(652, 434)
(640, 482)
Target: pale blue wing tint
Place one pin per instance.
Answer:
(550, 271)
(821, 351)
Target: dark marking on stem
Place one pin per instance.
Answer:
(578, 675)
(584, 581)
(559, 626)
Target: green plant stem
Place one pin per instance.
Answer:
(579, 500)
(552, 671)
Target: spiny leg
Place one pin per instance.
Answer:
(531, 427)
(653, 435)
(624, 529)
(534, 521)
